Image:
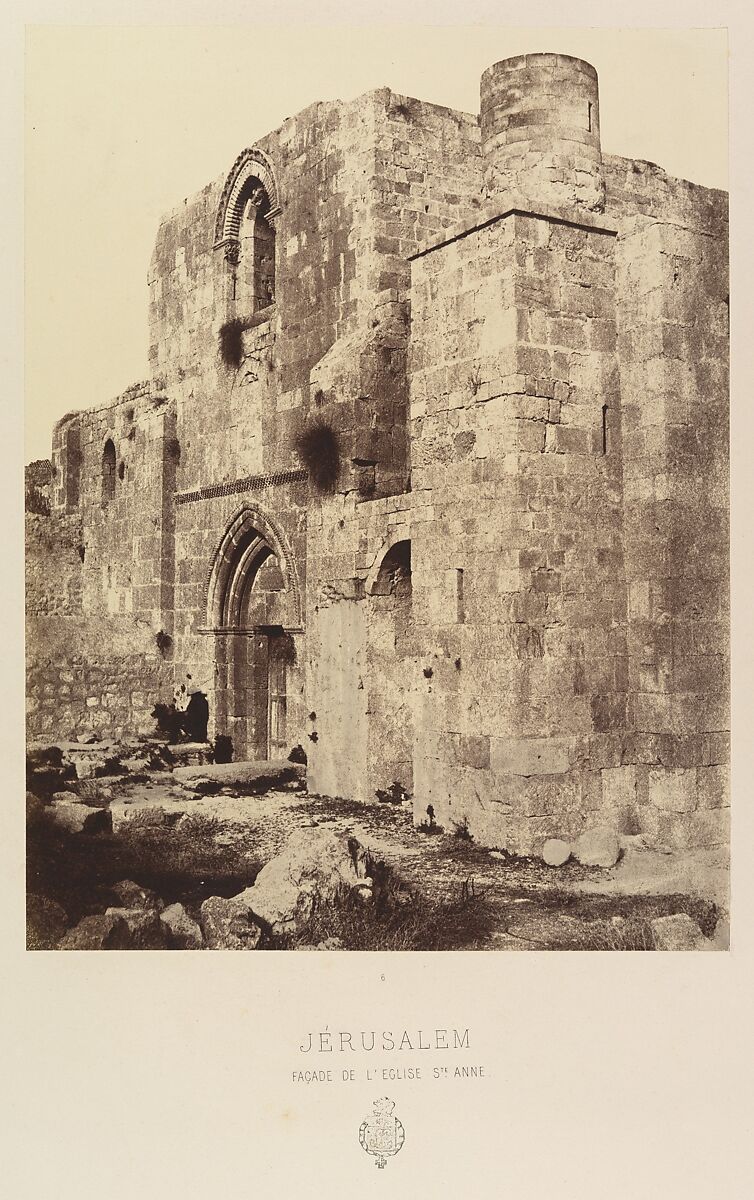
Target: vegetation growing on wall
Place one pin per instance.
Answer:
(231, 342)
(318, 447)
(230, 337)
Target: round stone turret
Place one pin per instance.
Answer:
(541, 131)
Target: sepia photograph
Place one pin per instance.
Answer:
(377, 491)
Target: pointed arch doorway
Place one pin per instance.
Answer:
(254, 614)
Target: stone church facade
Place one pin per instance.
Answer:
(429, 476)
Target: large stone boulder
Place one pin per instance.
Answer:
(183, 933)
(65, 797)
(245, 777)
(229, 924)
(679, 932)
(315, 867)
(133, 818)
(556, 852)
(46, 922)
(104, 931)
(133, 895)
(597, 847)
(79, 818)
(145, 929)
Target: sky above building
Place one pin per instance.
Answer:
(123, 123)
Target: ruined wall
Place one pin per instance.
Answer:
(115, 468)
(100, 572)
(54, 550)
(38, 486)
(86, 673)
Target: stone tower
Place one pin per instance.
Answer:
(540, 127)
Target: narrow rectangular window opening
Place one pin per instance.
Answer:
(460, 614)
(589, 125)
(604, 429)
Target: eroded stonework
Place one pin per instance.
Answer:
(429, 478)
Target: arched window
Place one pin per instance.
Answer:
(394, 575)
(245, 231)
(108, 472)
(255, 272)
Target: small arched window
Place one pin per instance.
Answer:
(245, 231)
(394, 576)
(255, 281)
(108, 472)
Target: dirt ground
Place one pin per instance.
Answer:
(526, 905)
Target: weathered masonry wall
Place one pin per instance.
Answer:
(496, 575)
(115, 468)
(356, 187)
(362, 648)
(518, 591)
(231, 668)
(673, 336)
(86, 673)
(540, 126)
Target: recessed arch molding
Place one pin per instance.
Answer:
(250, 538)
(252, 163)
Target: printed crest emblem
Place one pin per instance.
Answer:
(382, 1134)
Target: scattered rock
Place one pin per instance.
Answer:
(245, 776)
(679, 932)
(555, 852)
(79, 818)
(46, 922)
(46, 770)
(149, 816)
(184, 934)
(229, 924)
(598, 847)
(133, 895)
(364, 889)
(84, 767)
(105, 931)
(65, 798)
(136, 764)
(312, 869)
(146, 931)
(191, 753)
